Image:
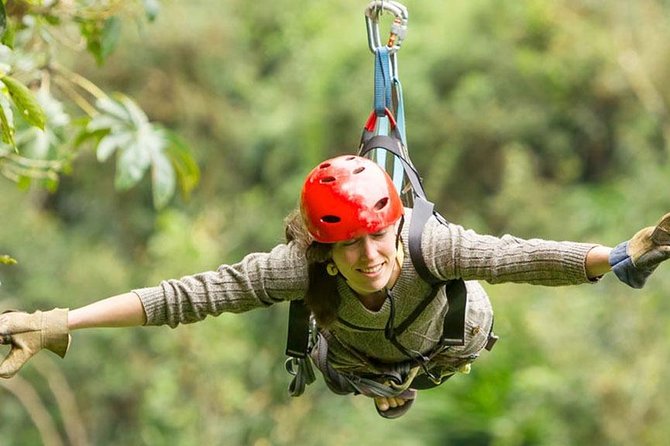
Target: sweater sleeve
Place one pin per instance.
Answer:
(454, 252)
(259, 280)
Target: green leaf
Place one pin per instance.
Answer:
(85, 134)
(5, 259)
(3, 20)
(101, 36)
(110, 143)
(137, 115)
(8, 36)
(6, 127)
(185, 166)
(163, 180)
(51, 184)
(111, 32)
(24, 100)
(113, 108)
(131, 164)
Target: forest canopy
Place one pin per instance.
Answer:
(142, 141)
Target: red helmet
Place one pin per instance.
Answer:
(348, 197)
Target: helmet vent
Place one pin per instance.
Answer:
(381, 204)
(327, 180)
(358, 170)
(330, 219)
(324, 165)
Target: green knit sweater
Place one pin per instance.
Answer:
(450, 251)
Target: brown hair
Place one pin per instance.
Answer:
(321, 297)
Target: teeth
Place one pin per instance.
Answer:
(373, 269)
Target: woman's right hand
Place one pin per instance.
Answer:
(28, 333)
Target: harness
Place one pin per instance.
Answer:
(384, 141)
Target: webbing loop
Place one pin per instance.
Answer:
(383, 81)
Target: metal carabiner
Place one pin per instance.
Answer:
(398, 29)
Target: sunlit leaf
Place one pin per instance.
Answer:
(101, 36)
(6, 122)
(42, 144)
(102, 122)
(111, 31)
(136, 114)
(51, 184)
(185, 166)
(111, 142)
(163, 180)
(3, 20)
(109, 106)
(131, 164)
(7, 260)
(25, 102)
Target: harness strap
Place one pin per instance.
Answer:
(345, 383)
(297, 347)
(297, 338)
(383, 82)
(423, 209)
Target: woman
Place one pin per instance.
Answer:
(347, 255)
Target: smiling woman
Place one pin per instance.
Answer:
(380, 324)
(369, 263)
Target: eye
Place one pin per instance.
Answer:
(380, 234)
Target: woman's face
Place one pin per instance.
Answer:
(367, 262)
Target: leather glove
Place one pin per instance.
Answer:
(29, 333)
(633, 261)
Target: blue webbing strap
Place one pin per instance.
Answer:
(382, 98)
(387, 88)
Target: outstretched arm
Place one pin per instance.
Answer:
(123, 310)
(597, 261)
(29, 333)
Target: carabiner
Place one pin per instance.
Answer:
(398, 27)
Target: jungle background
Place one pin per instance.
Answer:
(538, 118)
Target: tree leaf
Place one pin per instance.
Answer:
(6, 126)
(111, 142)
(137, 116)
(102, 122)
(185, 166)
(26, 103)
(109, 38)
(101, 36)
(163, 180)
(113, 108)
(7, 260)
(131, 164)
(3, 20)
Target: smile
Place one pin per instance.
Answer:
(372, 269)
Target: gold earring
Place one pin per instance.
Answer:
(331, 269)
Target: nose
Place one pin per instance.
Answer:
(368, 247)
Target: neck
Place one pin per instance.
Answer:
(373, 301)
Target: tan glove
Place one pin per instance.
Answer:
(29, 333)
(633, 261)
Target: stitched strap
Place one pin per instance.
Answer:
(297, 338)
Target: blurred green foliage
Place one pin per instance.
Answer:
(537, 118)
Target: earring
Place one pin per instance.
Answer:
(331, 269)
